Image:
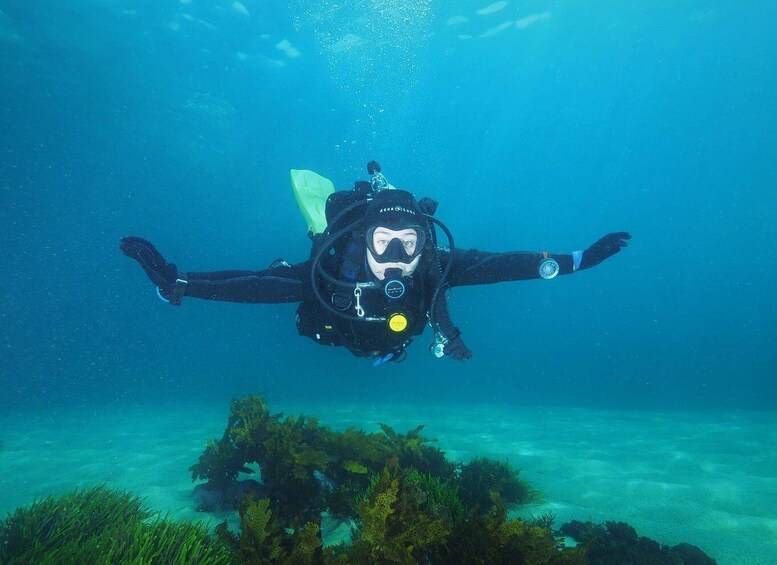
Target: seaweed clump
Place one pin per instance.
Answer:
(482, 479)
(262, 540)
(407, 518)
(101, 525)
(406, 501)
(613, 543)
(307, 468)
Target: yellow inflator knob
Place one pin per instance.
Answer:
(397, 322)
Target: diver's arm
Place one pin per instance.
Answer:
(479, 267)
(471, 266)
(284, 283)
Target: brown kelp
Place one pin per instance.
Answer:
(617, 542)
(407, 502)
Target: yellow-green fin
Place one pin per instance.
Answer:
(311, 191)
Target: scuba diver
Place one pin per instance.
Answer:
(376, 275)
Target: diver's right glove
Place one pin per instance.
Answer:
(163, 274)
(456, 349)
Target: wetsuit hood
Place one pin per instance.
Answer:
(395, 209)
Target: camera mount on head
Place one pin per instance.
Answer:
(377, 180)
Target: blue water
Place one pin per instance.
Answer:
(179, 122)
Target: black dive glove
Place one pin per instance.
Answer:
(163, 274)
(456, 349)
(606, 247)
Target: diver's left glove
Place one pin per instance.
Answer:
(604, 248)
(163, 274)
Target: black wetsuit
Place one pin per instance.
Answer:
(342, 303)
(294, 283)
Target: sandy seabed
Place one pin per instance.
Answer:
(707, 478)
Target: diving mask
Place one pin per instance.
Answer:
(395, 246)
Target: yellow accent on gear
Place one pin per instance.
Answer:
(311, 191)
(397, 322)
